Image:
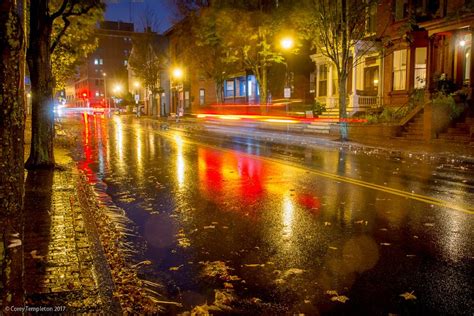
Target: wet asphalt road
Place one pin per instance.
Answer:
(268, 228)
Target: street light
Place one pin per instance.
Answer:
(136, 84)
(177, 74)
(116, 90)
(287, 44)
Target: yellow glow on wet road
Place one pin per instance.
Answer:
(288, 216)
(180, 166)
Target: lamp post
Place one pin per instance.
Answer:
(107, 104)
(137, 97)
(287, 44)
(177, 75)
(117, 89)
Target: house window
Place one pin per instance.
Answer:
(125, 62)
(420, 67)
(371, 79)
(371, 18)
(312, 82)
(322, 81)
(101, 61)
(229, 88)
(202, 94)
(399, 69)
(401, 9)
(96, 61)
(186, 99)
(97, 93)
(467, 64)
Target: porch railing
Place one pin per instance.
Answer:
(369, 101)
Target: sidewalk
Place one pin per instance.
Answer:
(61, 266)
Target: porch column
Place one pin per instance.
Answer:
(355, 100)
(471, 71)
(430, 67)
(317, 82)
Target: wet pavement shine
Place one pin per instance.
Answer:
(244, 226)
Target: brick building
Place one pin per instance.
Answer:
(104, 76)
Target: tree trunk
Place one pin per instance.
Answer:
(39, 63)
(343, 106)
(219, 91)
(263, 84)
(12, 127)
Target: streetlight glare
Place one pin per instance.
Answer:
(117, 88)
(287, 43)
(177, 73)
(136, 84)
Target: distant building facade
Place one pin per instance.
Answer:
(103, 78)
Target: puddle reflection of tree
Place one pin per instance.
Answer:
(38, 203)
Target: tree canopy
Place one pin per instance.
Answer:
(74, 45)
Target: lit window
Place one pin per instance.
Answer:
(125, 62)
(97, 93)
(323, 80)
(101, 61)
(202, 94)
(399, 69)
(96, 61)
(420, 67)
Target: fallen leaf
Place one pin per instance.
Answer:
(176, 268)
(339, 298)
(228, 285)
(209, 227)
(411, 256)
(333, 248)
(327, 224)
(16, 235)
(331, 292)
(429, 224)
(14, 243)
(34, 255)
(385, 243)
(408, 296)
(254, 265)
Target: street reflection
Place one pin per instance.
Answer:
(179, 160)
(290, 234)
(288, 216)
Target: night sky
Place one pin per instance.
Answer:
(119, 10)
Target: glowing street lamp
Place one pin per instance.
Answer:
(287, 43)
(177, 74)
(136, 84)
(116, 90)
